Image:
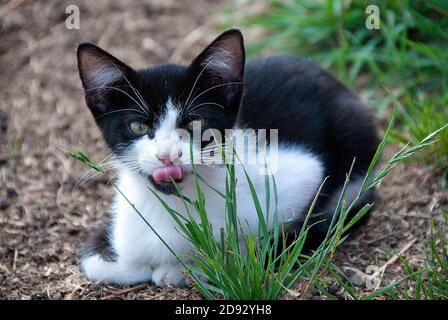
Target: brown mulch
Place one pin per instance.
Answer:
(44, 217)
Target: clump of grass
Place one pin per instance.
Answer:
(430, 281)
(408, 54)
(237, 265)
(421, 116)
(409, 45)
(261, 265)
(15, 146)
(427, 281)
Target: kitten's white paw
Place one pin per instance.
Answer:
(172, 275)
(97, 269)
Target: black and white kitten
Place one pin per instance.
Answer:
(322, 127)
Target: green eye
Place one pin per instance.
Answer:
(138, 127)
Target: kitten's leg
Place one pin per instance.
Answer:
(319, 231)
(100, 262)
(351, 193)
(170, 274)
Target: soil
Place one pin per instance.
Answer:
(45, 216)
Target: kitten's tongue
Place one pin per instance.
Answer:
(165, 174)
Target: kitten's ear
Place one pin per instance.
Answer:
(222, 61)
(99, 72)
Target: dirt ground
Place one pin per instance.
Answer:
(44, 219)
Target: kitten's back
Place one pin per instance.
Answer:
(312, 109)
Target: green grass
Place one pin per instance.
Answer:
(421, 116)
(262, 266)
(404, 63)
(430, 280)
(407, 56)
(14, 146)
(410, 45)
(426, 280)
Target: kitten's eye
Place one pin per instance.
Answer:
(138, 127)
(196, 123)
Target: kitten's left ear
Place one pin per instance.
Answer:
(222, 62)
(99, 72)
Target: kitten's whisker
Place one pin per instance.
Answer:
(136, 92)
(122, 91)
(211, 88)
(84, 178)
(216, 147)
(190, 111)
(121, 110)
(194, 85)
(216, 150)
(90, 174)
(110, 179)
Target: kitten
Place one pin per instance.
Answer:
(322, 127)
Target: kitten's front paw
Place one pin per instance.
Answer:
(172, 275)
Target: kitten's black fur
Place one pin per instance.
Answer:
(306, 104)
(311, 108)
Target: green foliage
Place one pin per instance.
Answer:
(243, 265)
(430, 281)
(421, 116)
(410, 44)
(82, 156)
(408, 54)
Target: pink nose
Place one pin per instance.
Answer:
(168, 159)
(165, 159)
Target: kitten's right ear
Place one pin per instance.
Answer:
(100, 72)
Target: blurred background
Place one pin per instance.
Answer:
(394, 56)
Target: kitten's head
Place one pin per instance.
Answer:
(145, 114)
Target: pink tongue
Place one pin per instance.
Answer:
(165, 174)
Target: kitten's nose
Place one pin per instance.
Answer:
(168, 159)
(165, 159)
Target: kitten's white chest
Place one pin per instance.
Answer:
(297, 177)
(142, 256)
